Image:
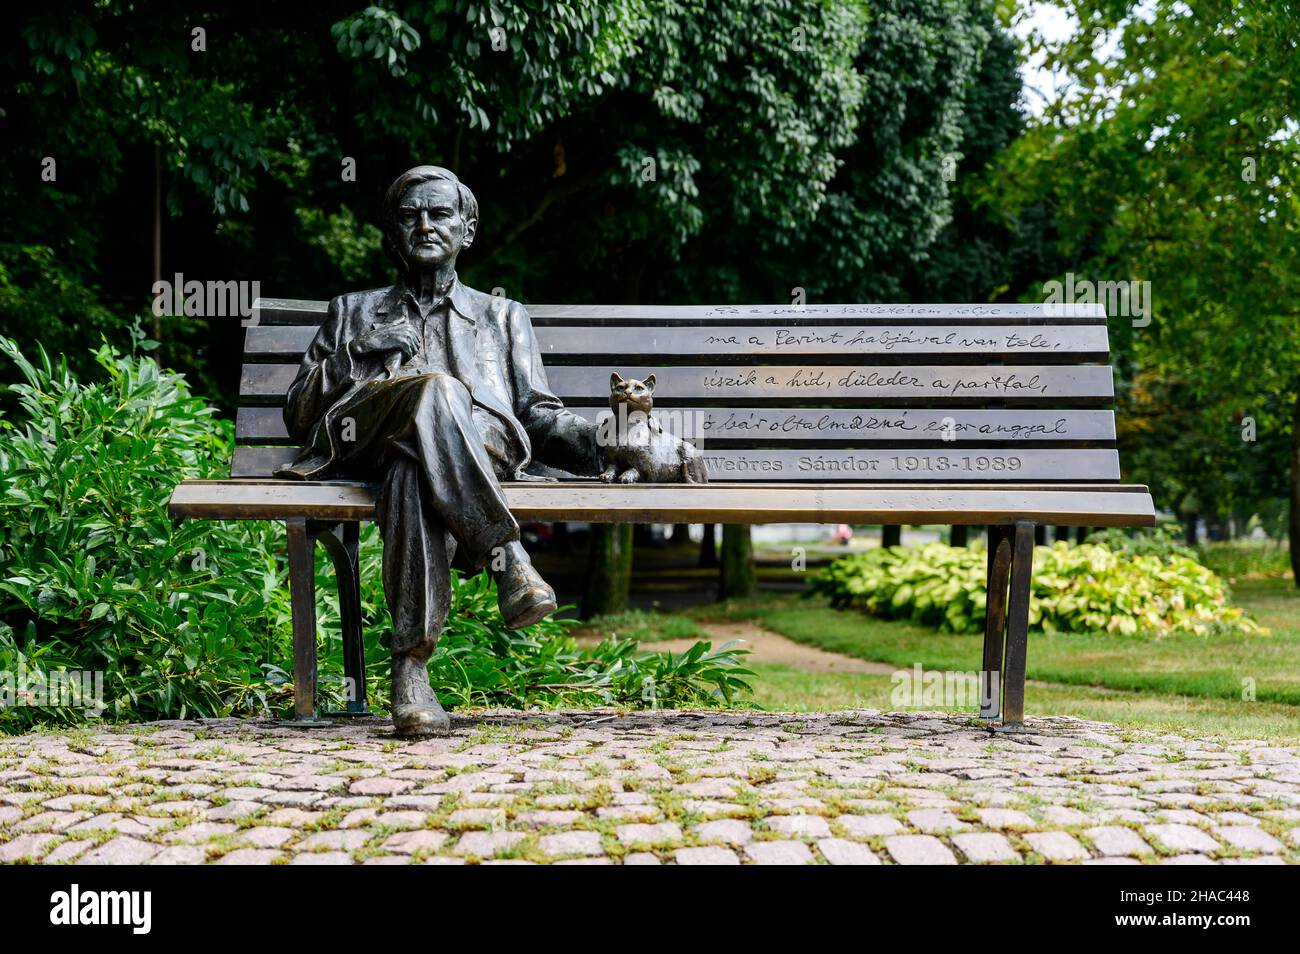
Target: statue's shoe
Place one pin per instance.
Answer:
(416, 710)
(524, 597)
(418, 719)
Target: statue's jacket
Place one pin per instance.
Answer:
(491, 349)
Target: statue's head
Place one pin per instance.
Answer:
(429, 217)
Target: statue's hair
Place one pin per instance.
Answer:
(411, 177)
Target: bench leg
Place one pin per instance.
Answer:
(342, 541)
(995, 621)
(1022, 570)
(302, 599)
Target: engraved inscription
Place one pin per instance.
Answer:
(921, 465)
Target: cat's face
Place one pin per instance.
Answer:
(636, 395)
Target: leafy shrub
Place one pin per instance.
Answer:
(1162, 540)
(1075, 589)
(193, 619)
(1247, 558)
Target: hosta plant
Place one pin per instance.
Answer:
(1085, 588)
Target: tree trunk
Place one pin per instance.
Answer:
(891, 535)
(709, 546)
(1040, 535)
(737, 576)
(1189, 522)
(609, 569)
(681, 534)
(1080, 534)
(958, 535)
(1294, 522)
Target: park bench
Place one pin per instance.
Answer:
(992, 415)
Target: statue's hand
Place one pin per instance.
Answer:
(399, 336)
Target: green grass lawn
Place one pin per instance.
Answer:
(1205, 666)
(1188, 684)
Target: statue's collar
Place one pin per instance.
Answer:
(454, 292)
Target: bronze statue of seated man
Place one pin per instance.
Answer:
(436, 392)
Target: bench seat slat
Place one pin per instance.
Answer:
(909, 464)
(707, 503)
(265, 425)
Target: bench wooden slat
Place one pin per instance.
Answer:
(729, 384)
(831, 465)
(294, 311)
(702, 503)
(265, 425)
(286, 343)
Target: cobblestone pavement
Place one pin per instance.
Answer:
(597, 787)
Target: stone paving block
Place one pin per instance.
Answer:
(250, 856)
(1182, 838)
(1056, 845)
(52, 821)
(808, 826)
(1248, 838)
(1257, 860)
(985, 846)
(918, 850)
(265, 836)
(66, 851)
(349, 840)
(935, 821)
(629, 813)
(1131, 795)
(1064, 816)
(779, 853)
(1114, 840)
(869, 826)
(477, 818)
(409, 842)
(179, 855)
(710, 855)
(1112, 860)
(233, 811)
(294, 817)
(380, 786)
(571, 843)
(199, 832)
(322, 858)
(728, 831)
(640, 834)
(122, 850)
(487, 844)
(841, 851)
(1007, 818)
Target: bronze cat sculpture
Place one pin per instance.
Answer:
(640, 450)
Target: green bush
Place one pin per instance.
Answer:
(193, 619)
(1084, 588)
(1247, 558)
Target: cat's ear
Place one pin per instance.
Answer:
(615, 379)
(650, 383)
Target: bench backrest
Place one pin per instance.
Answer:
(916, 393)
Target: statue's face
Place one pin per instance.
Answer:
(431, 229)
